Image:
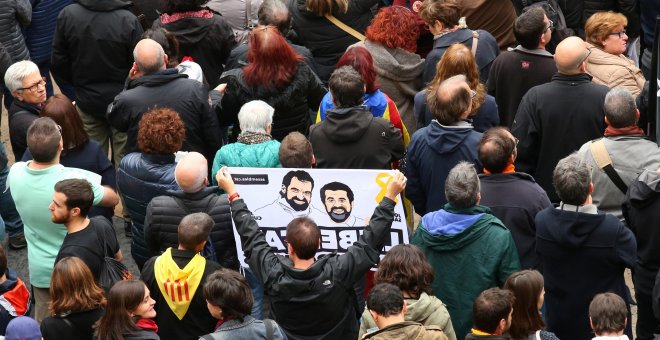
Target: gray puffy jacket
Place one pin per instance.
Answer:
(14, 14)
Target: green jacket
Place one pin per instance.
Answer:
(427, 310)
(470, 251)
(262, 155)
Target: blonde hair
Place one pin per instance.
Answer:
(600, 25)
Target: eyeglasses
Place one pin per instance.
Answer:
(473, 94)
(620, 33)
(35, 87)
(517, 140)
(551, 26)
(59, 128)
(586, 57)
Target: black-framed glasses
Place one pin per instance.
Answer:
(586, 57)
(35, 87)
(620, 33)
(551, 26)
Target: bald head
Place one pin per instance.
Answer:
(149, 57)
(570, 55)
(190, 172)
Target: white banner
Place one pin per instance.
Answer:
(340, 201)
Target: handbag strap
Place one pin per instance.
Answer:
(603, 160)
(345, 28)
(270, 335)
(475, 42)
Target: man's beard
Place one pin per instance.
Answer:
(60, 220)
(339, 217)
(297, 206)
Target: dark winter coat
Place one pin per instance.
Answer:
(582, 254)
(642, 212)
(39, 34)
(515, 199)
(164, 214)
(5, 62)
(292, 103)
(327, 41)
(14, 14)
(238, 57)
(319, 302)
(207, 41)
(487, 51)
(21, 115)
(555, 119)
(513, 73)
(353, 138)
(168, 88)
(140, 178)
(629, 8)
(432, 152)
(93, 50)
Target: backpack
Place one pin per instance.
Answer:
(554, 13)
(208, 252)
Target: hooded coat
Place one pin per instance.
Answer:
(93, 50)
(399, 74)
(583, 253)
(352, 138)
(207, 41)
(407, 330)
(470, 251)
(427, 310)
(433, 151)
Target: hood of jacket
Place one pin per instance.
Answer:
(10, 283)
(645, 189)
(570, 228)
(394, 63)
(105, 5)
(190, 31)
(346, 125)
(421, 308)
(467, 225)
(156, 79)
(446, 139)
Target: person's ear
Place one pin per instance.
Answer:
(166, 59)
(591, 322)
(501, 326)
(405, 307)
(283, 189)
(18, 95)
(75, 211)
(313, 160)
(637, 114)
(607, 121)
(591, 188)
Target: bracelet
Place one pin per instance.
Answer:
(233, 196)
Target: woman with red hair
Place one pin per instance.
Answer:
(375, 100)
(392, 41)
(277, 75)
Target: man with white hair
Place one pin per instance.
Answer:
(165, 212)
(153, 84)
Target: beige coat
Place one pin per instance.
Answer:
(614, 70)
(427, 310)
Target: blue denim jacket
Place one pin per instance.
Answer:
(249, 329)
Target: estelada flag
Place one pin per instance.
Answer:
(178, 286)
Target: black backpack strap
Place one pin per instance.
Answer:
(603, 160)
(270, 335)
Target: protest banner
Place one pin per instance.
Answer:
(340, 201)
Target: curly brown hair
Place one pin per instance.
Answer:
(161, 131)
(406, 267)
(448, 12)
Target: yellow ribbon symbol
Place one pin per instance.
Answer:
(382, 180)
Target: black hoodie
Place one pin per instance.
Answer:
(583, 253)
(352, 138)
(93, 50)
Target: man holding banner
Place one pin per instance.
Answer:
(313, 299)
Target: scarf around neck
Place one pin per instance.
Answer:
(253, 137)
(178, 286)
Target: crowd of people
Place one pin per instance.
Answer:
(516, 134)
